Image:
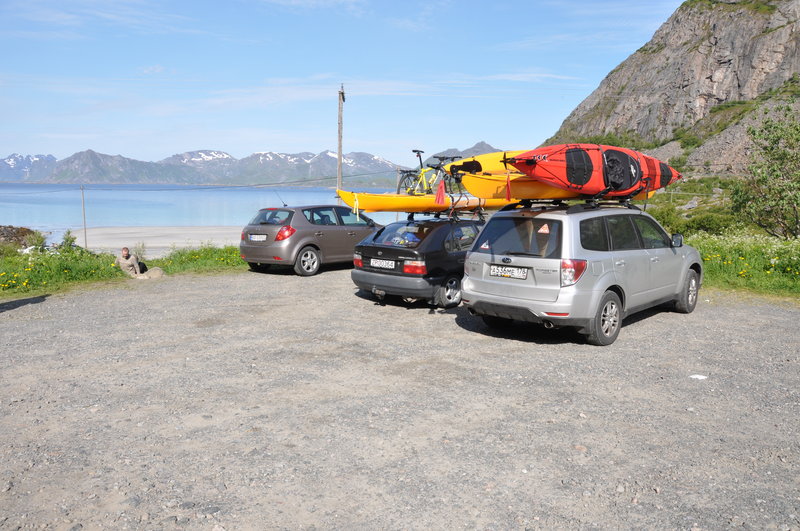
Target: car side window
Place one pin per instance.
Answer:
(623, 235)
(594, 236)
(349, 217)
(461, 238)
(653, 236)
(321, 216)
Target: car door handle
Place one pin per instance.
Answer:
(654, 259)
(619, 263)
(319, 233)
(351, 233)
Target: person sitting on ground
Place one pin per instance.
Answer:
(128, 262)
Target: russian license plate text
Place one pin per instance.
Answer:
(520, 273)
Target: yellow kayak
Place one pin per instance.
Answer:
(415, 203)
(520, 186)
(486, 163)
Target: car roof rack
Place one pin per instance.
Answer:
(527, 203)
(453, 215)
(594, 204)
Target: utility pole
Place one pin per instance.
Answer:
(339, 158)
(83, 209)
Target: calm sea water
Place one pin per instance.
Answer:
(55, 208)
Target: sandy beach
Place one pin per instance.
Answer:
(157, 241)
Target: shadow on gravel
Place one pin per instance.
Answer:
(288, 270)
(519, 331)
(533, 333)
(13, 305)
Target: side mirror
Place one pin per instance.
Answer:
(677, 240)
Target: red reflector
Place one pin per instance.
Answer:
(285, 232)
(554, 314)
(277, 258)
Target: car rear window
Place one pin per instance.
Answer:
(272, 216)
(521, 235)
(403, 234)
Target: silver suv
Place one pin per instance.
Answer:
(586, 266)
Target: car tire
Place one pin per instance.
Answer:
(448, 295)
(607, 321)
(687, 299)
(307, 262)
(496, 322)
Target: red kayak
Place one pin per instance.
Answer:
(595, 170)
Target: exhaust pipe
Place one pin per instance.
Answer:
(548, 324)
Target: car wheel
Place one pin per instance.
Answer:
(608, 320)
(496, 322)
(687, 299)
(449, 294)
(307, 262)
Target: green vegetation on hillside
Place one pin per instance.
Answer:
(770, 195)
(765, 7)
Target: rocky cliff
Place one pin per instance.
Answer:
(690, 92)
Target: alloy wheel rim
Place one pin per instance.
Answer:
(452, 291)
(609, 320)
(692, 295)
(309, 261)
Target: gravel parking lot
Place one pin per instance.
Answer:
(260, 401)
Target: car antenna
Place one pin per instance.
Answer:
(279, 197)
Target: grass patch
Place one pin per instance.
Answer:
(48, 272)
(206, 259)
(45, 272)
(761, 264)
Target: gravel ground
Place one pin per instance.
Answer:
(260, 401)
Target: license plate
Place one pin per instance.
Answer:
(382, 264)
(520, 273)
(258, 237)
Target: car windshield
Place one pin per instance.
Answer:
(522, 236)
(272, 216)
(403, 234)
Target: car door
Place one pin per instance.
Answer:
(458, 242)
(631, 264)
(666, 265)
(356, 227)
(330, 235)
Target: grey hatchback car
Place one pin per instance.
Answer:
(585, 266)
(303, 237)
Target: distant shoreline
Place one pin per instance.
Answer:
(157, 241)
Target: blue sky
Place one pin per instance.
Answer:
(149, 79)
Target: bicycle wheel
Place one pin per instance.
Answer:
(407, 184)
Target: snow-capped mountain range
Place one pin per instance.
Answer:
(209, 167)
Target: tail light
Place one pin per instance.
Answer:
(571, 271)
(284, 233)
(243, 236)
(414, 267)
(357, 261)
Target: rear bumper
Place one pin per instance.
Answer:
(266, 254)
(417, 287)
(573, 309)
